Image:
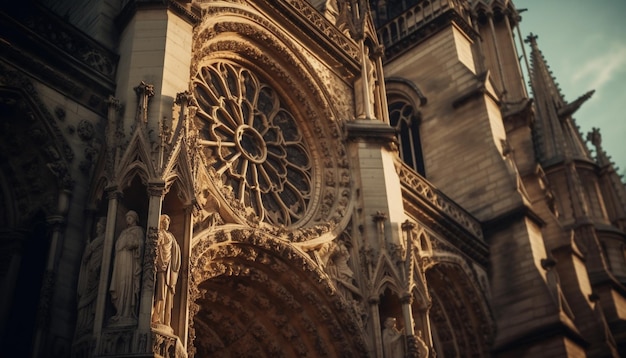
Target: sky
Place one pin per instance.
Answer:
(584, 44)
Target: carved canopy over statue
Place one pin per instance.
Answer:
(126, 276)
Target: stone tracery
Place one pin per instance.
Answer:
(266, 49)
(254, 142)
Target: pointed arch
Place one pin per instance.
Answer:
(34, 174)
(136, 161)
(404, 99)
(386, 275)
(253, 294)
(34, 156)
(179, 172)
(461, 321)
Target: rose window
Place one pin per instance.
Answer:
(253, 142)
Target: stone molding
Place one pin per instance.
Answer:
(59, 54)
(427, 192)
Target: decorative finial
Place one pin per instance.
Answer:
(531, 38)
(144, 93)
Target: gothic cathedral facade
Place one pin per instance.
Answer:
(298, 178)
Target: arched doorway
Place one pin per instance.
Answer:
(33, 176)
(254, 295)
(460, 322)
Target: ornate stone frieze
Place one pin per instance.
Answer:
(116, 342)
(335, 83)
(430, 194)
(84, 70)
(324, 26)
(70, 41)
(149, 259)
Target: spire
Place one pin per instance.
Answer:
(614, 191)
(595, 138)
(557, 137)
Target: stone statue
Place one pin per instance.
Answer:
(127, 268)
(393, 344)
(422, 347)
(366, 87)
(89, 278)
(167, 267)
(340, 257)
(335, 257)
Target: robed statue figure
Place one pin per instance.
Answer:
(167, 267)
(126, 277)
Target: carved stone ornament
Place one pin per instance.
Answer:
(268, 132)
(88, 280)
(393, 339)
(252, 294)
(168, 260)
(126, 276)
(253, 142)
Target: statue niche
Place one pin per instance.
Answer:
(167, 263)
(127, 268)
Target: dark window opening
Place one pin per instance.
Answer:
(402, 116)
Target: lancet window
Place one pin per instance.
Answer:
(404, 118)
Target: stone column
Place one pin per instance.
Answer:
(376, 329)
(107, 249)
(183, 277)
(156, 190)
(407, 313)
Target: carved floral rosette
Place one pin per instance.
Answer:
(270, 144)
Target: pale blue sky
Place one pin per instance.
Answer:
(584, 43)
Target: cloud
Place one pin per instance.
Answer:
(599, 70)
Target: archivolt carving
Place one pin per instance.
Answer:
(11, 78)
(335, 83)
(240, 277)
(35, 155)
(459, 313)
(321, 23)
(264, 34)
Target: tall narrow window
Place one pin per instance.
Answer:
(402, 116)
